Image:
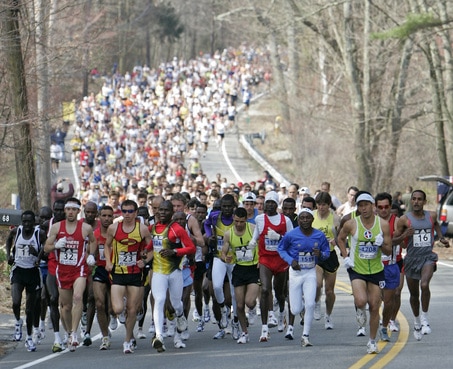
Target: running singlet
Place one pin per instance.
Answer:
(100, 259)
(421, 243)
(267, 247)
(161, 235)
(73, 255)
(22, 256)
(220, 230)
(396, 255)
(238, 244)
(364, 253)
(326, 226)
(126, 250)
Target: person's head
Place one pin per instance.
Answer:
(383, 205)
(45, 214)
(201, 213)
(304, 192)
(259, 204)
(114, 199)
(305, 219)
(203, 197)
(106, 216)
(227, 205)
(352, 190)
(325, 187)
(72, 209)
(179, 201)
(129, 210)
(365, 204)
(240, 219)
(91, 211)
(142, 198)
(142, 211)
(248, 201)
(58, 210)
(165, 212)
(323, 202)
(418, 200)
(293, 190)
(271, 203)
(180, 218)
(28, 220)
(192, 205)
(289, 207)
(308, 202)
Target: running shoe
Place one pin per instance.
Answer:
(418, 333)
(206, 314)
(122, 317)
(281, 321)
(133, 343)
(200, 326)
(195, 316)
(36, 337)
(185, 335)
(305, 342)
(178, 341)
(73, 342)
(393, 327)
(83, 320)
(361, 317)
(372, 347)
(252, 316)
(244, 338)
(140, 314)
(171, 328)
(57, 347)
(105, 344)
(328, 323)
(140, 334)
(181, 323)
(87, 340)
(152, 327)
(42, 333)
(302, 315)
(272, 321)
(219, 335)
(18, 330)
(113, 325)
(361, 332)
(264, 334)
(127, 349)
(426, 329)
(235, 329)
(317, 314)
(224, 317)
(30, 345)
(290, 333)
(158, 343)
(384, 334)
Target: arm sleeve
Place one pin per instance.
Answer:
(283, 249)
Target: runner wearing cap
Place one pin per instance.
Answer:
(370, 237)
(301, 248)
(270, 228)
(248, 201)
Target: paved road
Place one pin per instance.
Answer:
(339, 348)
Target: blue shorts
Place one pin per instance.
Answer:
(392, 276)
(187, 277)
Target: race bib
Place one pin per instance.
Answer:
(127, 258)
(68, 256)
(243, 254)
(270, 245)
(422, 238)
(219, 244)
(101, 252)
(367, 250)
(306, 260)
(157, 244)
(22, 252)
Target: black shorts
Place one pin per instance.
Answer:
(200, 270)
(244, 275)
(377, 278)
(128, 279)
(30, 278)
(101, 275)
(331, 264)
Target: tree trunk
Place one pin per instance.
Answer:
(18, 96)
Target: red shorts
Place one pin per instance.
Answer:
(66, 278)
(274, 263)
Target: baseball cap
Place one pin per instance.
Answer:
(249, 196)
(60, 186)
(271, 196)
(365, 197)
(304, 190)
(283, 185)
(307, 210)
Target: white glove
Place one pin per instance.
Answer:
(378, 240)
(348, 263)
(251, 245)
(272, 235)
(91, 261)
(61, 243)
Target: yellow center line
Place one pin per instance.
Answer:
(396, 347)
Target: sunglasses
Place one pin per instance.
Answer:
(129, 211)
(382, 207)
